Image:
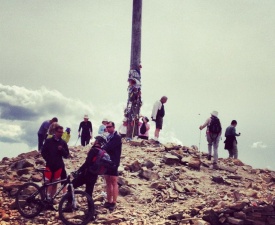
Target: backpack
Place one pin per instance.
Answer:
(215, 125)
(100, 163)
(143, 129)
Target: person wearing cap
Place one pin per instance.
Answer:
(231, 140)
(212, 138)
(102, 127)
(144, 120)
(85, 131)
(158, 113)
(43, 130)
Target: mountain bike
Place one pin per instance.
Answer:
(76, 207)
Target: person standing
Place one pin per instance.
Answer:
(86, 131)
(158, 113)
(213, 136)
(231, 140)
(53, 152)
(43, 131)
(123, 128)
(113, 148)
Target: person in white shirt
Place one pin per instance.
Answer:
(158, 113)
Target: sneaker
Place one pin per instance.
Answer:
(209, 157)
(112, 206)
(107, 205)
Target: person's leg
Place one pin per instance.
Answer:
(90, 183)
(109, 188)
(82, 138)
(87, 140)
(157, 133)
(115, 188)
(40, 141)
(216, 146)
(230, 152)
(235, 150)
(209, 141)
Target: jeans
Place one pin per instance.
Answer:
(213, 139)
(233, 153)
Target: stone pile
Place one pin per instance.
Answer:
(159, 185)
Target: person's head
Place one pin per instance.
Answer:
(54, 119)
(214, 113)
(68, 130)
(234, 123)
(58, 131)
(145, 119)
(104, 121)
(110, 126)
(100, 141)
(163, 99)
(86, 117)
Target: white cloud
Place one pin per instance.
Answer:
(258, 144)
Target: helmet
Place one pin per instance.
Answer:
(101, 140)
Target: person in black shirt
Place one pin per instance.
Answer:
(113, 148)
(85, 176)
(53, 151)
(86, 131)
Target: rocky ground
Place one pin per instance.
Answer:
(159, 184)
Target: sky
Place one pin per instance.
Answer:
(70, 58)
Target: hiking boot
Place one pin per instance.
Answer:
(215, 166)
(112, 206)
(107, 205)
(209, 157)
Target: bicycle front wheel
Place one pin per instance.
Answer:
(79, 211)
(29, 200)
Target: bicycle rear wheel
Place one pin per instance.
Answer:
(29, 200)
(79, 213)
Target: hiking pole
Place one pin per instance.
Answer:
(76, 141)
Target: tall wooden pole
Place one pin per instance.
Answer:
(134, 78)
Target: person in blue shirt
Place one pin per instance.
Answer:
(43, 131)
(102, 127)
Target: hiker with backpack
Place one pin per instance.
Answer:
(231, 140)
(143, 128)
(213, 136)
(96, 163)
(113, 148)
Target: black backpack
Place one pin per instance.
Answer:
(100, 163)
(215, 125)
(143, 128)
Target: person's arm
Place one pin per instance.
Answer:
(80, 125)
(234, 132)
(205, 124)
(155, 110)
(91, 130)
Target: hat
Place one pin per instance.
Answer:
(68, 129)
(105, 120)
(214, 113)
(86, 117)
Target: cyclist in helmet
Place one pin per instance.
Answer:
(84, 176)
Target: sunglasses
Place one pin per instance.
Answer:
(109, 126)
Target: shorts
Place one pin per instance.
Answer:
(159, 122)
(49, 175)
(112, 172)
